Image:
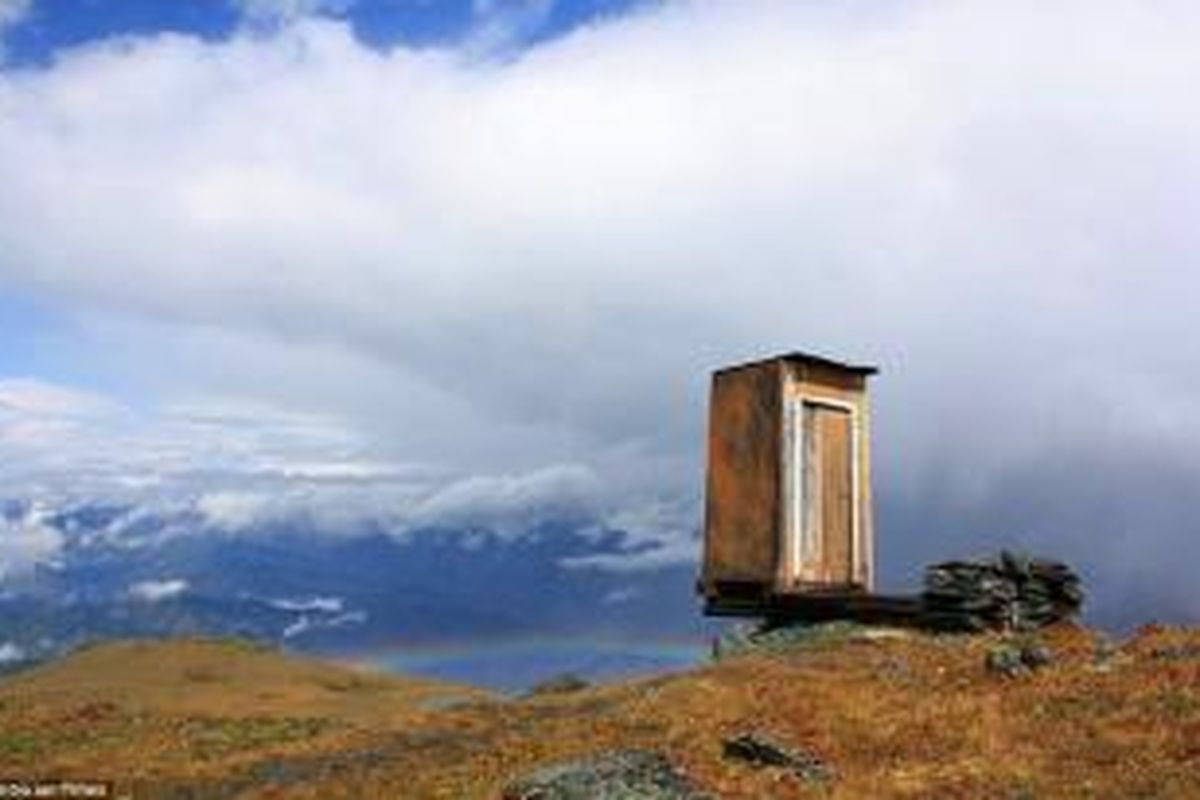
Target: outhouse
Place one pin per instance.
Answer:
(788, 506)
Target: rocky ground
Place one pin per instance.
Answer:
(838, 711)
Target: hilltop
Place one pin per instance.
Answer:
(882, 713)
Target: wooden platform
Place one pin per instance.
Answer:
(874, 609)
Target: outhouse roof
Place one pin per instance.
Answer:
(799, 357)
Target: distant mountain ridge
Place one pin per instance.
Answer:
(327, 591)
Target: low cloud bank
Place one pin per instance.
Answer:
(155, 591)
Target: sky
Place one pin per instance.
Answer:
(474, 261)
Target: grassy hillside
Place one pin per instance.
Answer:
(891, 716)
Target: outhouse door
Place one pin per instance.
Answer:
(822, 477)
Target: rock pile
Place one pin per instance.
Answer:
(614, 775)
(1008, 591)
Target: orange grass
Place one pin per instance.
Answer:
(905, 716)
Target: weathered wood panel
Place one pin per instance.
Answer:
(832, 478)
(821, 384)
(744, 483)
(809, 499)
(830, 382)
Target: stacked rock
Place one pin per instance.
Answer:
(1008, 591)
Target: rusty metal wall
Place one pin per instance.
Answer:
(744, 482)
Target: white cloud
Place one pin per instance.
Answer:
(651, 556)
(11, 653)
(232, 510)
(317, 613)
(32, 396)
(155, 591)
(217, 465)
(273, 12)
(654, 535)
(513, 503)
(569, 241)
(622, 595)
(493, 267)
(27, 539)
(36, 415)
(502, 26)
(66, 445)
(13, 11)
(330, 605)
(306, 623)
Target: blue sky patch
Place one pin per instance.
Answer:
(53, 25)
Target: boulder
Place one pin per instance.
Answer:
(762, 751)
(613, 775)
(560, 684)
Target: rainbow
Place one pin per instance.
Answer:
(518, 661)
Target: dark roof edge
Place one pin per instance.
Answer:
(808, 358)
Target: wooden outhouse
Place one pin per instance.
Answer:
(788, 507)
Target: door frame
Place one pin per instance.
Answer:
(801, 546)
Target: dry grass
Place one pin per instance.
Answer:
(912, 716)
